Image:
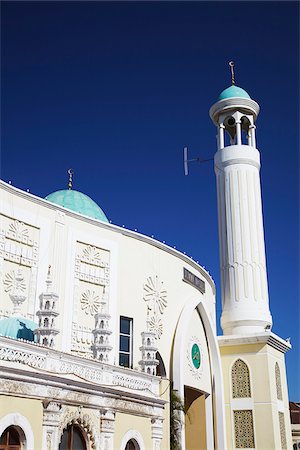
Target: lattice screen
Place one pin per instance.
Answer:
(243, 429)
(278, 382)
(282, 430)
(240, 377)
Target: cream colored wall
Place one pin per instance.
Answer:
(32, 410)
(126, 422)
(195, 425)
(261, 361)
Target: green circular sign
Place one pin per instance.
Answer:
(196, 357)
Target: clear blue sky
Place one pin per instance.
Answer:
(115, 90)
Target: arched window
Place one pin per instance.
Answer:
(73, 439)
(47, 305)
(240, 378)
(278, 382)
(132, 445)
(10, 439)
(46, 322)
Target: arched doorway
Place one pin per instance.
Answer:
(132, 445)
(73, 439)
(10, 439)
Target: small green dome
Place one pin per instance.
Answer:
(18, 328)
(78, 202)
(233, 91)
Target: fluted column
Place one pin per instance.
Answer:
(241, 235)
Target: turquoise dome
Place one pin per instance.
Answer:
(233, 91)
(18, 328)
(78, 202)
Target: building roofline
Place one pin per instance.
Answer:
(111, 227)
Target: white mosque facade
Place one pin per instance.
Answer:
(104, 330)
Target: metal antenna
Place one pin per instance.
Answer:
(186, 160)
(231, 65)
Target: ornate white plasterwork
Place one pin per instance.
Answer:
(90, 302)
(130, 382)
(19, 248)
(18, 231)
(14, 281)
(23, 357)
(155, 324)
(196, 372)
(155, 296)
(85, 421)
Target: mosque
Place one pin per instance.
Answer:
(108, 337)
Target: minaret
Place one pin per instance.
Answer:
(47, 314)
(245, 304)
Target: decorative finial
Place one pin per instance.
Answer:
(70, 172)
(48, 280)
(231, 65)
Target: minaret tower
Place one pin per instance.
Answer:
(245, 304)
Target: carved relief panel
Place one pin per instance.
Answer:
(91, 294)
(19, 246)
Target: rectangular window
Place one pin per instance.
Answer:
(125, 353)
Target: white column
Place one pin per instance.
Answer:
(252, 134)
(221, 136)
(242, 250)
(238, 133)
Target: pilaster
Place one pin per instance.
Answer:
(157, 432)
(107, 429)
(51, 421)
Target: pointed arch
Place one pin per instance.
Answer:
(215, 420)
(240, 379)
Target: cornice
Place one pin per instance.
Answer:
(267, 338)
(108, 226)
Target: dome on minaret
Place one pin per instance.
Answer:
(78, 202)
(233, 92)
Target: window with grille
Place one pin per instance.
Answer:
(125, 352)
(282, 430)
(243, 429)
(278, 382)
(240, 378)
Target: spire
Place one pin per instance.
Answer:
(70, 183)
(48, 279)
(231, 65)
